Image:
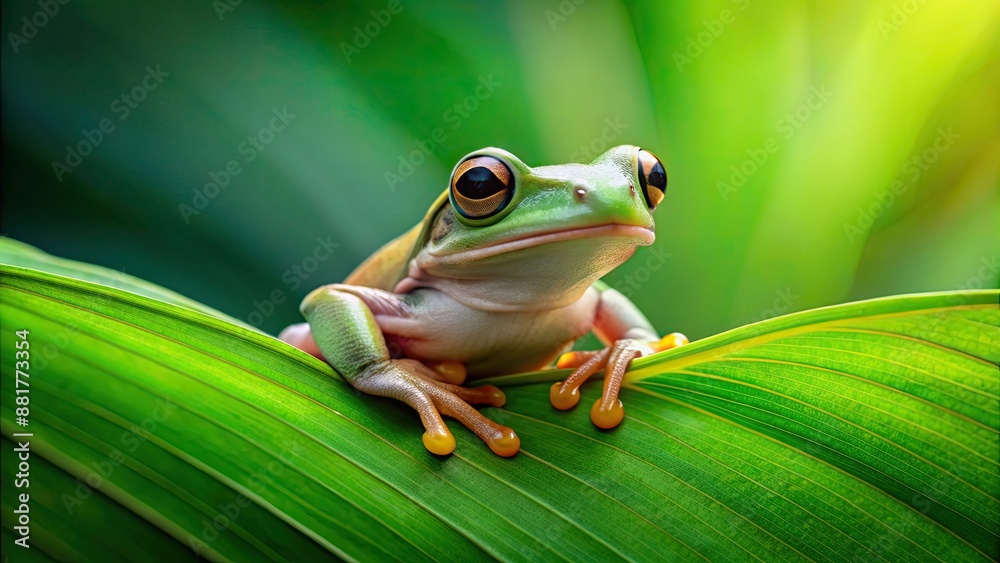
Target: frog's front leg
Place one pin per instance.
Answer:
(344, 329)
(628, 335)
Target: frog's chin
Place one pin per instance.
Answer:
(640, 235)
(541, 271)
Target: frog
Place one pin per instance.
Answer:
(502, 275)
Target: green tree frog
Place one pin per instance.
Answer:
(500, 277)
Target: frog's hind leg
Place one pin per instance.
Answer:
(345, 331)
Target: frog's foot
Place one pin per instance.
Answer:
(608, 411)
(420, 387)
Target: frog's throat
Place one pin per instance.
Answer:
(644, 236)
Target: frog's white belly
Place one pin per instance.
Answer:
(438, 328)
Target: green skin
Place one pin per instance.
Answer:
(500, 295)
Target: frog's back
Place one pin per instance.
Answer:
(383, 269)
(386, 267)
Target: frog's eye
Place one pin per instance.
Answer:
(652, 178)
(482, 186)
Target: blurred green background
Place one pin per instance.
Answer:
(818, 152)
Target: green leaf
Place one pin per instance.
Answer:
(861, 431)
(25, 255)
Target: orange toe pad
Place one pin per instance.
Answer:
(570, 360)
(439, 444)
(563, 400)
(450, 372)
(506, 445)
(672, 340)
(607, 418)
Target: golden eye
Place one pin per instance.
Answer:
(482, 186)
(652, 178)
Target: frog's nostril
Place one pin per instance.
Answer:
(581, 193)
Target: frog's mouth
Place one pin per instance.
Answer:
(643, 236)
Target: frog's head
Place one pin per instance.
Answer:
(518, 235)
